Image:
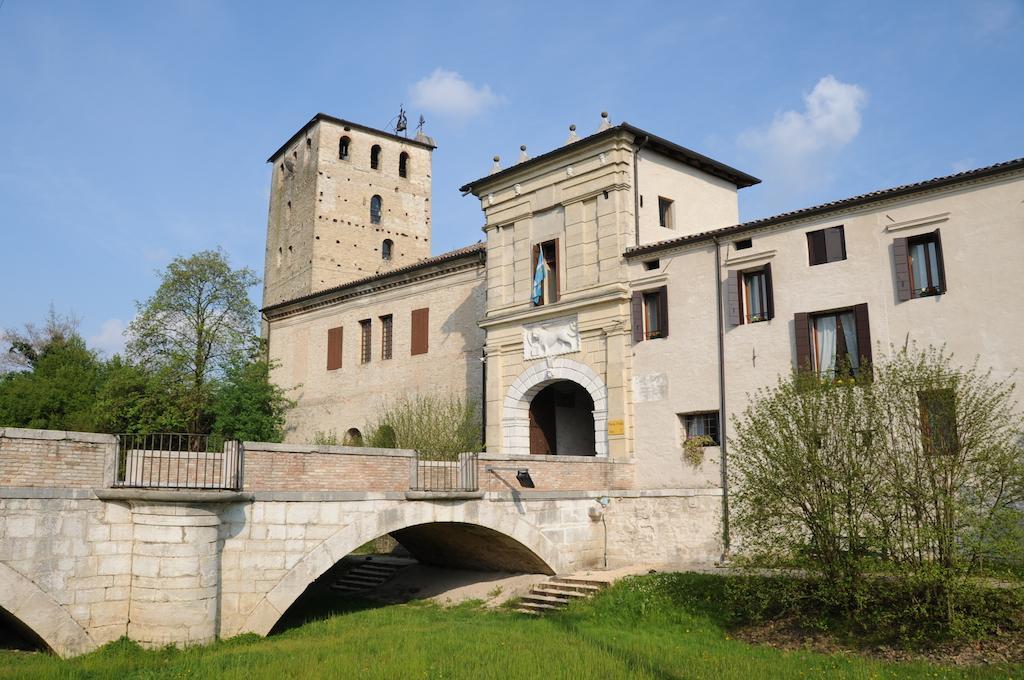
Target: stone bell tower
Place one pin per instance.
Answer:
(346, 202)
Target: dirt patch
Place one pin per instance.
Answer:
(1002, 649)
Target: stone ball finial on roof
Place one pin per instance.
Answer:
(522, 153)
(573, 137)
(605, 123)
(496, 166)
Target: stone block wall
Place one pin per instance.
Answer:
(52, 458)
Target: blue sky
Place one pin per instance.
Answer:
(132, 132)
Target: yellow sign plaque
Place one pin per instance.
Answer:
(616, 427)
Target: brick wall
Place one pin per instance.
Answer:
(51, 458)
(556, 473)
(294, 467)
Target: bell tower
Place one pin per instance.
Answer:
(346, 202)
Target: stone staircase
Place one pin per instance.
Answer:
(368, 573)
(555, 593)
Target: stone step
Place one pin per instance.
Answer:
(355, 578)
(376, 568)
(545, 599)
(556, 590)
(365, 573)
(581, 585)
(539, 607)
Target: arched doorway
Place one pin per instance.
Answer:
(562, 420)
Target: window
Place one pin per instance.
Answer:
(704, 424)
(420, 340)
(365, 337)
(650, 314)
(386, 248)
(403, 165)
(385, 337)
(938, 422)
(353, 437)
(919, 266)
(343, 148)
(334, 336)
(545, 273)
(665, 212)
(756, 291)
(750, 296)
(826, 245)
(828, 341)
(651, 265)
(375, 157)
(375, 208)
(743, 244)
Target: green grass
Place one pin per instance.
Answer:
(664, 626)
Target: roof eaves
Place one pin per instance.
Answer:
(831, 206)
(340, 121)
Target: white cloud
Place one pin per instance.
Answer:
(994, 16)
(963, 165)
(448, 93)
(797, 143)
(110, 340)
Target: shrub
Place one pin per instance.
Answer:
(438, 427)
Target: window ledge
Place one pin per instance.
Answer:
(917, 222)
(751, 257)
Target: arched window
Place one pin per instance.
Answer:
(375, 206)
(386, 248)
(343, 148)
(353, 437)
(403, 165)
(375, 157)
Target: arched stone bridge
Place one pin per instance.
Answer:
(83, 562)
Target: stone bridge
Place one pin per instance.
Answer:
(84, 561)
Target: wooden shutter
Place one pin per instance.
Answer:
(768, 292)
(940, 263)
(554, 273)
(636, 310)
(802, 332)
(835, 248)
(815, 247)
(334, 336)
(860, 313)
(901, 262)
(732, 299)
(420, 341)
(663, 310)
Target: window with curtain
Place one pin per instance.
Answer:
(756, 292)
(701, 425)
(925, 256)
(835, 342)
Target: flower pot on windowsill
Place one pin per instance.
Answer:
(929, 291)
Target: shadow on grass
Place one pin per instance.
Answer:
(320, 601)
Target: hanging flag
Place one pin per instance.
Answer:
(538, 277)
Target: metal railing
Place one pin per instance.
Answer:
(178, 461)
(445, 475)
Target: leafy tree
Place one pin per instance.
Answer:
(441, 427)
(914, 470)
(193, 327)
(58, 391)
(247, 405)
(23, 348)
(134, 399)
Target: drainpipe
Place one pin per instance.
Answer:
(483, 399)
(637, 145)
(721, 402)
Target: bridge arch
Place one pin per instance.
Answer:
(405, 515)
(41, 614)
(516, 411)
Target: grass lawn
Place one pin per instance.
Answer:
(663, 626)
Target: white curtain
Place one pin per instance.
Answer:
(825, 334)
(850, 335)
(918, 266)
(695, 427)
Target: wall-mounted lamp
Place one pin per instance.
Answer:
(524, 479)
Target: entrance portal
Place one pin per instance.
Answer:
(562, 421)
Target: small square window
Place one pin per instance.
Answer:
(743, 244)
(703, 424)
(665, 218)
(826, 245)
(651, 265)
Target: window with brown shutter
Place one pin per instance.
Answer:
(833, 341)
(732, 299)
(420, 325)
(826, 245)
(334, 336)
(650, 314)
(802, 335)
(918, 266)
(751, 298)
